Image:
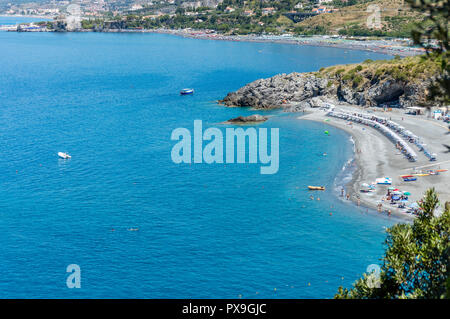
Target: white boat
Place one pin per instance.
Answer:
(384, 181)
(64, 155)
(187, 91)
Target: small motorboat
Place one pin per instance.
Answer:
(187, 91)
(316, 188)
(64, 155)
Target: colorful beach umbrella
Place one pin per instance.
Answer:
(406, 193)
(391, 188)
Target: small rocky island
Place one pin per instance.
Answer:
(251, 119)
(397, 83)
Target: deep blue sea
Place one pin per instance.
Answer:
(204, 231)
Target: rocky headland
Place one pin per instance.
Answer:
(397, 83)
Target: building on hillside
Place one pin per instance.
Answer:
(267, 11)
(248, 13)
(323, 9)
(136, 7)
(229, 9)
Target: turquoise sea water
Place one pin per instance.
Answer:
(111, 101)
(12, 20)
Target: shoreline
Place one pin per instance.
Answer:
(381, 46)
(395, 46)
(26, 16)
(377, 157)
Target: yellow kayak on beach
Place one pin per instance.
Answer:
(317, 188)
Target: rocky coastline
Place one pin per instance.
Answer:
(358, 85)
(400, 84)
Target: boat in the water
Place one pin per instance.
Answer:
(187, 91)
(316, 188)
(64, 155)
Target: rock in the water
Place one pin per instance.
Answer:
(255, 118)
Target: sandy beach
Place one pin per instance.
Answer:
(376, 156)
(391, 47)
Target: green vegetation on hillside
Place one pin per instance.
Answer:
(397, 20)
(416, 263)
(412, 69)
(235, 17)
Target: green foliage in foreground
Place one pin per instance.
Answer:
(416, 262)
(433, 34)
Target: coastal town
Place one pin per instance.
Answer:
(94, 19)
(229, 17)
(99, 8)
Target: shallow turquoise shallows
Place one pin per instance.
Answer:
(201, 231)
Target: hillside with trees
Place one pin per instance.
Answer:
(396, 17)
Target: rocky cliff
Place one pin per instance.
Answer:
(396, 83)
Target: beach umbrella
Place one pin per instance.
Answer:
(326, 132)
(404, 201)
(391, 188)
(406, 193)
